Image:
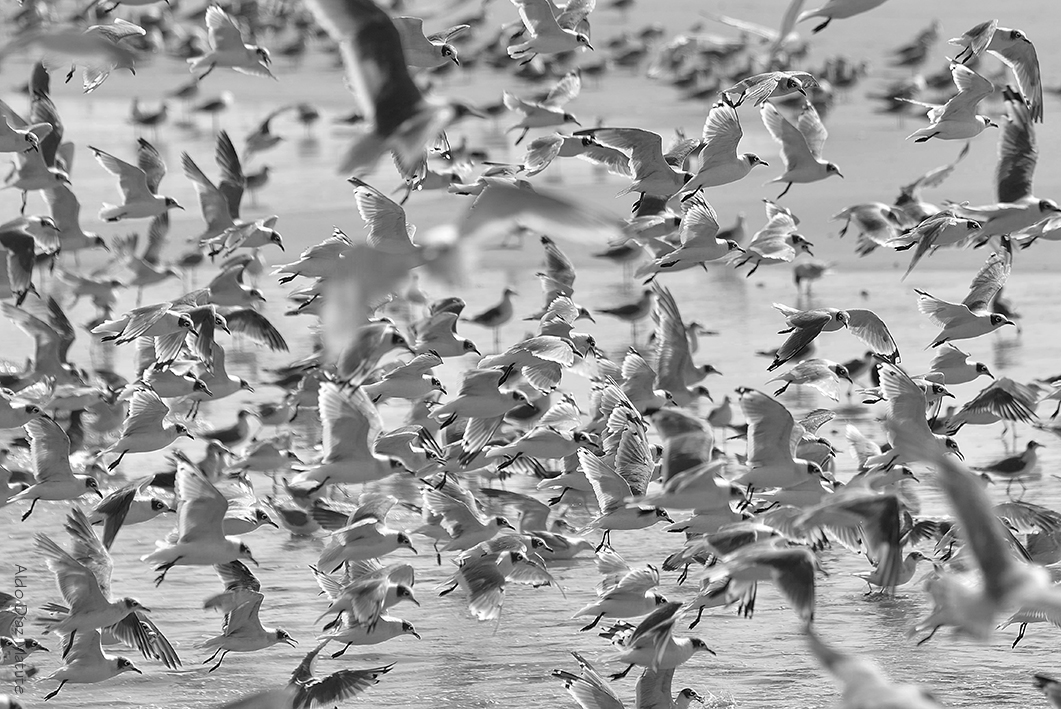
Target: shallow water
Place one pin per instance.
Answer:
(761, 662)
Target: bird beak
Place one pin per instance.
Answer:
(34, 147)
(413, 550)
(764, 163)
(132, 71)
(290, 641)
(590, 46)
(134, 669)
(43, 649)
(990, 375)
(476, 351)
(274, 524)
(1010, 322)
(189, 435)
(960, 456)
(411, 598)
(97, 491)
(180, 207)
(416, 635)
(456, 60)
(840, 174)
(253, 560)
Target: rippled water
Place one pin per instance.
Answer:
(459, 663)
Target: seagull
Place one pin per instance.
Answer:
(546, 33)
(541, 152)
(227, 49)
(624, 592)
(1015, 50)
(770, 449)
(805, 325)
(864, 684)
(86, 664)
(908, 430)
(791, 568)
(145, 428)
(137, 184)
(973, 316)
(1014, 467)
(652, 644)
(550, 111)
(122, 506)
(83, 586)
(351, 425)
(957, 119)
(775, 243)
(699, 245)
(242, 630)
(772, 84)
(955, 366)
(19, 247)
(427, 51)
(16, 139)
(718, 161)
(312, 691)
(801, 146)
(400, 118)
(654, 173)
(822, 374)
(838, 10)
(613, 485)
(199, 539)
(54, 479)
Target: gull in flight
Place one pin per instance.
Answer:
(719, 163)
(54, 479)
(86, 664)
(838, 10)
(550, 34)
(957, 119)
(227, 49)
(427, 51)
(801, 146)
(549, 112)
(805, 325)
(772, 84)
(907, 427)
(972, 317)
(1015, 50)
(138, 185)
(199, 539)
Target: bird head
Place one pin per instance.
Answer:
(938, 390)
(987, 122)
(173, 204)
(700, 646)
(436, 384)
(503, 523)
(91, 484)
(570, 118)
(800, 243)
(408, 629)
(245, 553)
(691, 696)
(256, 295)
(262, 517)
(794, 84)
(182, 430)
(448, 51)
(221, 322)
(832, 169)
(124, 665)
(263, 56)
(1000, 320)
(34, 142)
(754, 160)
(245, 385)
(952, 447)
(160, 507)
(981, 368)
(1048, 205)
(282, 636)
(131, 604)
(661, 514)
(404, 541)
(200, 385)
(841, 371)
(581, 38)
(275, 238)
(1032, 445)
(403, 592)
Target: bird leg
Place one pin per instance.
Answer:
(116, 461)
(30, 510)
(785, 191)
(620, 675)
(605, 540)
(341, 652)
(524, 133)
(23, 210)
(163, 568)
(1020, 634)
(509, 460)
(218, 662)
(592, 625)
(51, 694)
(211, 658)
(210, 69)
(781, 391)
(69, 643)
(699, 614)
(924, 640)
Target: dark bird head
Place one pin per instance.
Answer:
(172, 204)
(124, 665)
(581, 38)
(182, 430)
(754, 160)
(408, 629)
(91, 484)
(832, 169)
(131, 604)
(282, 636)
(449, 52)
(245, 553)
(981, 368)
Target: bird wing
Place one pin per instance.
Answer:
(212, 201)
(150, 161)
(256, 326)
(813, 130)
(574, 15)
(338, 686)
(49, 450)
(1018, 151)
(610, 489)
(349, 424)
(988, 282)
(76, 581)
(243, 619)
(384, 218)
(644, 147)
(699, 220)
(769, 428)
(232, 179)
(200, 506)
(672, 344)
(88, 550)
(941, 312)
(1015, 49)
(722, 133)
(537, 15)
(809, 325)
(132, 181)
(972, 88)
(653, 689)
(948, 356)
(633, 460)
(588, 689)
(867, 326)
(224, 34)
(146, 412)
(906, 404)
(447, 35)
(794, 147)
(756, 88)
(565, 90)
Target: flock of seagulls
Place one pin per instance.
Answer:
(638, 452)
